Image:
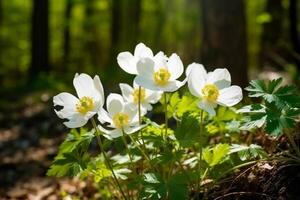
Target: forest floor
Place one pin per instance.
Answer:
(30, 134)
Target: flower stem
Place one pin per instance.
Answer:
(166, 115)
(126, 147)
(200, 156)
(141, 150)
(106, 158)
(139, 105)
(140, 115)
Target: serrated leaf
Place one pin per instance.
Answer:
(68, 164)
(121, 173)
(72, 157)
(215, 155)
(151, 178)
(188, 130)
(248, 152)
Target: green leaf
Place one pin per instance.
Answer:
(154, 187)
(273, 92)
(279, 111)
(68, 164)
(72, 157)
(151, 178)
(178, 187)
(248, 152)
(188, 130)
(215, 155)
(178, 106)
(121, 173)
(76, 140)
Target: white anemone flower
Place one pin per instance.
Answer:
(79, 110)
(147, 97)
(160, 73)
(128, 62)
(119, 116)
(212, 88)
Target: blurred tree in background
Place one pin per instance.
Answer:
(224, 37)
(42, 40)
(39, 39)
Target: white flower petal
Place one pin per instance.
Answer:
(135, 85)
(196, 78)
(145, 107)
(104, 117)
(66, 113)
(195, 65)
(207, 107)
(127, 62)
(160, 60)
(75, 122)
(110, 134)
(99, 90)
(220, 77)
(230, 96)
(129, 111)
(65, 99)
(146, 83)
(142, 51)
(175, 66)
(114, 104)
(84, 85)
(153, 96)
(145, 67)
(126, 92)
(129, 130)
(89, 115)
(172, 86)
(132, 105)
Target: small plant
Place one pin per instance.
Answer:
(140, 159)
(278, 111)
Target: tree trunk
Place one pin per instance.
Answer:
(294, 33)
(93, 46)
(39, 39)
(115, 34)
(67, 34)
(132, 21)
(224, 37)
(161, 17)
(272, 33)
(1, 12)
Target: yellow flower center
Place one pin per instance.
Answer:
(162, 76)
(85, 105)
(210, 92)
(120, 119)
(136, 95)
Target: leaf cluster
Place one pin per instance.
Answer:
(279, 107)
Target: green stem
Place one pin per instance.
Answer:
(294, 145)
(205, 172)
(141, 150)
(200, 155)
(126, 147)
(106, 158)
(166, 115)
(139, 105)
(140, 117)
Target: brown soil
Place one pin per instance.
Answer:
(263, 181)
(30, 134)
